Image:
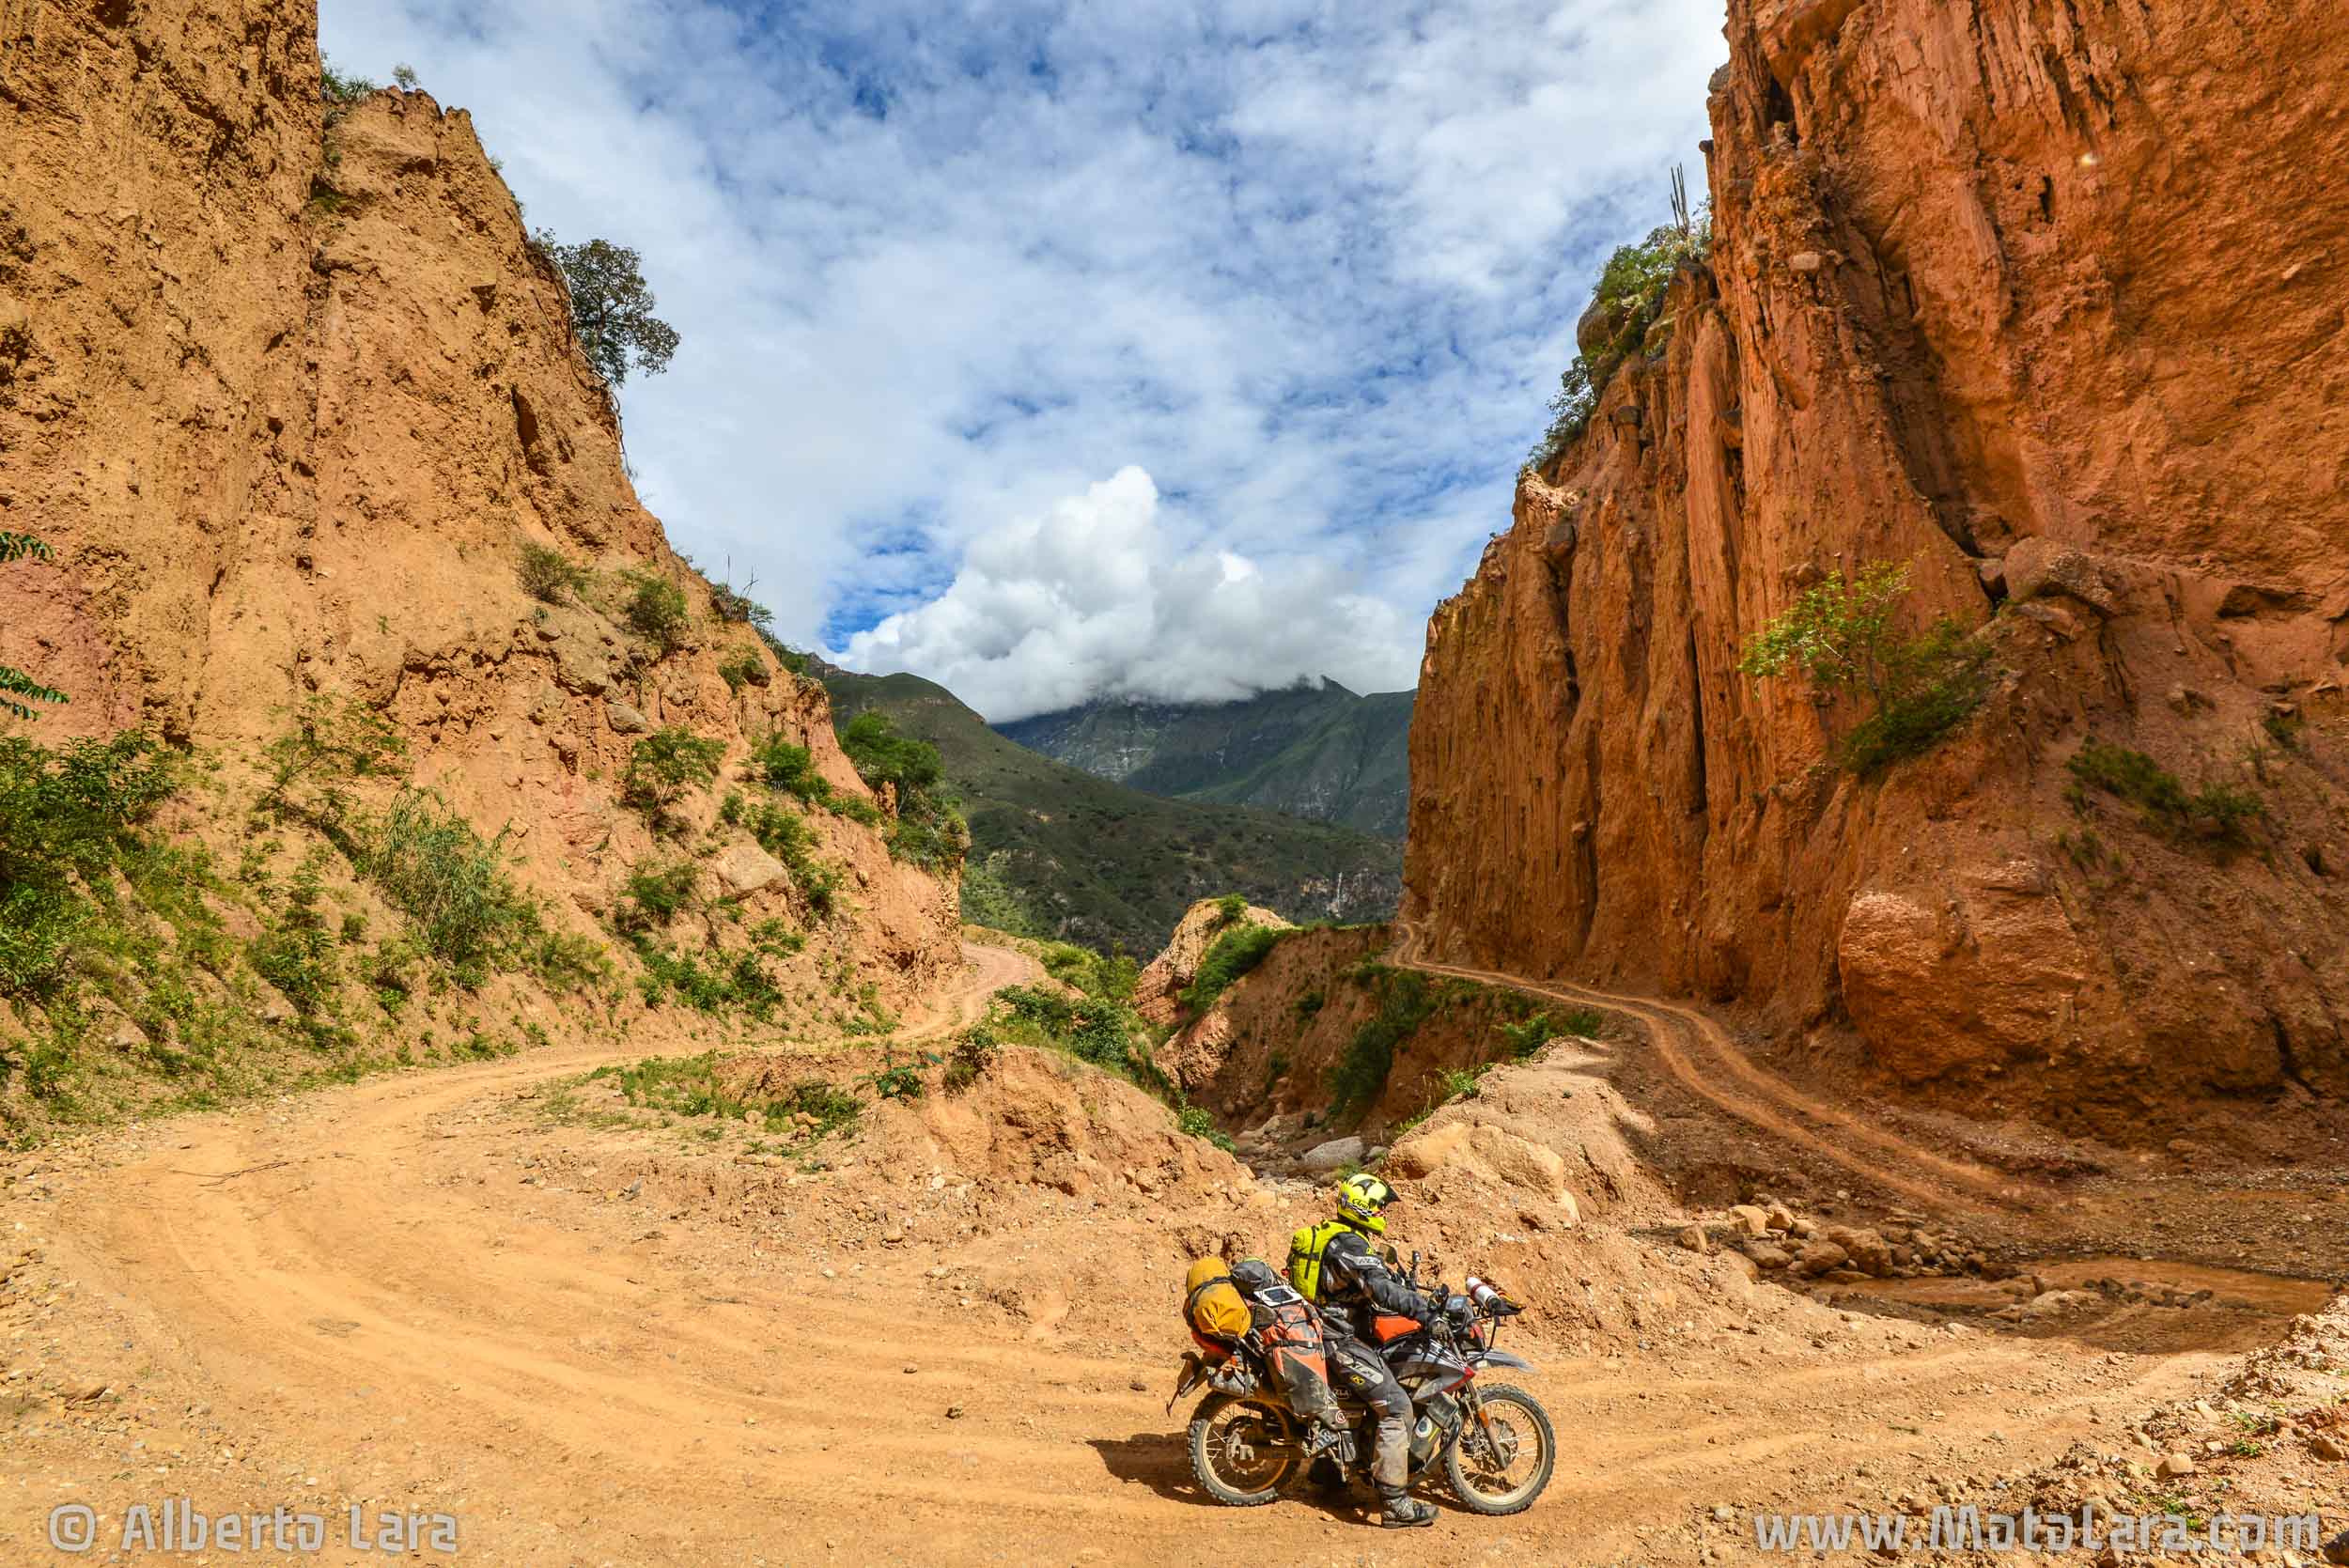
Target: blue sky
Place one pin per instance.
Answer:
(1055, 350)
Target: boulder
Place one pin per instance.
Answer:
(1936, 983)
(1766, 1256)
(746, 867)
(624, 720)
(1752, 1219)
(1819, 1257)
(1867, 1251)
(1338, 1153)
(1600, 325)
(1695, 1239)
(2037, 565)
(1487, 1154)
(2057, 1303)
(2172, 1466)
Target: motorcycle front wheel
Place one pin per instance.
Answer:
(1503, 1457)
(1243, 1453)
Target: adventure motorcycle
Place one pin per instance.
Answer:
(1493, 1441)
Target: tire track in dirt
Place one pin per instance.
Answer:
(581, 1394)
(1702, 1059)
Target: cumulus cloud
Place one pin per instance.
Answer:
(1314, 267)
(1093, 596)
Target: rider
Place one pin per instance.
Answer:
(1335, 1265)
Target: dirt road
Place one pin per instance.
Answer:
(1699, 1054)
(352, 1298)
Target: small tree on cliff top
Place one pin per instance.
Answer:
(1843, 635)
(612, 307)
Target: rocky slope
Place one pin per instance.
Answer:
(288, 391)
(1315, 751)
(1057, 852)
(2049, 305)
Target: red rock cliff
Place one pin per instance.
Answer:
(2046, 300)
(287, 397)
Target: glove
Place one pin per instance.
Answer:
(1460, 1310)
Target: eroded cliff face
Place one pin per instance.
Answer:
(2047, 302)
(287, 393)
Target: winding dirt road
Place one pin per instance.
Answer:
(1701, 1056)
(350, 1296)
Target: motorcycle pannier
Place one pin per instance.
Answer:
(1212, 1305)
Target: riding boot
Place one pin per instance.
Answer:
(1398, 1509)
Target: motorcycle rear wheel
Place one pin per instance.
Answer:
(1243, 1455)
(1505, 1473)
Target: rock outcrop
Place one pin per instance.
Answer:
(287, 389)
(2049, 305)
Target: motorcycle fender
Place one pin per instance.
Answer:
(1503, 1358)
(1192, 1373)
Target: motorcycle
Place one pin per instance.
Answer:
(1493, 1441)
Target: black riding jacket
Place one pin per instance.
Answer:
(1357, 1286)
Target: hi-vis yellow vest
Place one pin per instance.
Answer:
(1305, 1250)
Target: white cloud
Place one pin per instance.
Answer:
(1093, 598)
(1314, 267)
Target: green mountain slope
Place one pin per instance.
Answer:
(1319, 752)
(1056, 851)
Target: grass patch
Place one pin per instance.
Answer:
(690, 1086)
(1406, 1001)
(1236, 952)
(2216, 811)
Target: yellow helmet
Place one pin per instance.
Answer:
(1361, 1200)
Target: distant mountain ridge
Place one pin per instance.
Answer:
(1057, 851)
(1315, 751)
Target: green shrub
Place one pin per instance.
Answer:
(2217, 811)
(339, 91)
(972, 1058)
(655, 610)
(1631, 287)
(656, 894)
(294, 952)
(1229, 907)
(333, 740)
(664, 765)
(549, 575)
(1192, 1120)
(743, 669)
(790, 768)
(1406, 1001)
(1527, 1038)
(929, 830)
(69, 819)
(1841, 635)
(1108, 1034)
(1235, 953)
(900, 1080)
(452, 885)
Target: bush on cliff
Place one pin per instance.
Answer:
(1842, 635)
(1629, 295)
